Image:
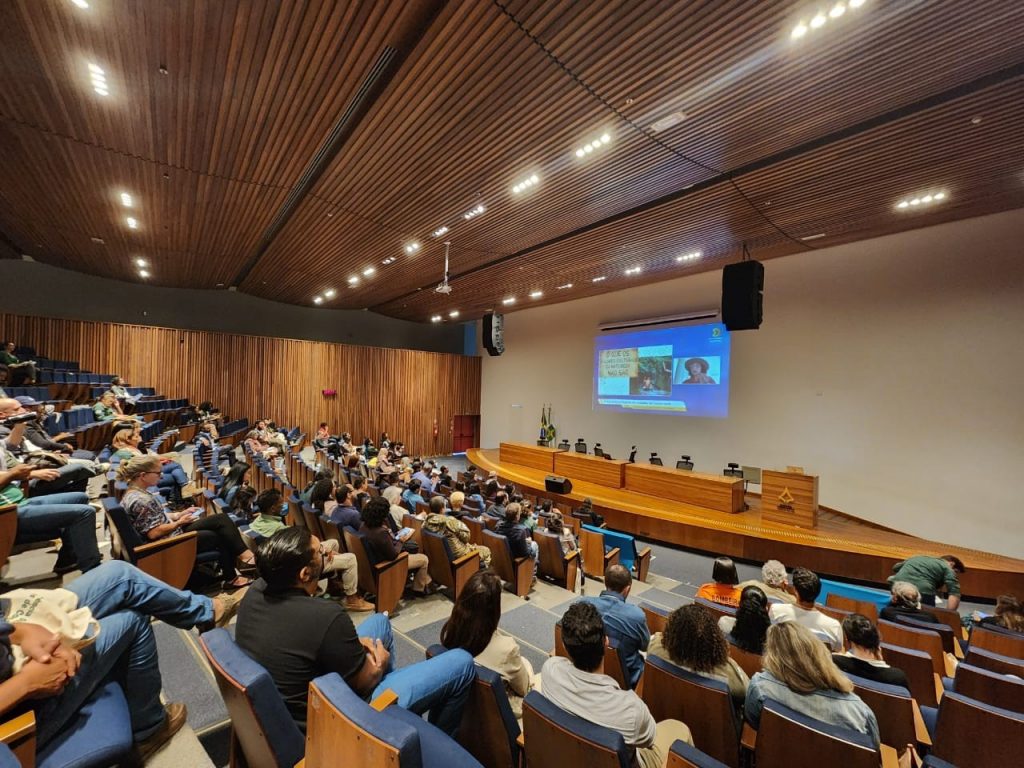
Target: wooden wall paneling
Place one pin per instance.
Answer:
(397, 390)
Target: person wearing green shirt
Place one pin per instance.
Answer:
(106, 407)
(25, 371)
(931, 575)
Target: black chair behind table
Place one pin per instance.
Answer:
(684, 463)
(580, 447)
(655, 460)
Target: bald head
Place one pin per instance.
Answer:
(8, 406)
(617, 578)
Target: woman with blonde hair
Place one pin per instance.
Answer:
(153, 521)
(126, 441)
(799, 673)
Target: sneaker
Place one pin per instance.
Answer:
(356, 603)
(228, 607)
(189, 489)
(176, 715)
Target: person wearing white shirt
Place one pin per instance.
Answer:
(807, 586)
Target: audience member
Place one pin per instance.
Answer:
(39, 439)
(237, 477)
(473, 626)
(747, 629)
(149, 516)
(624, 622)
(127, 443)
(411, 496)
(393, 495)
(693, 641)
(345, 512)
(519, 540)
(579, 686)
(323, 438)
(587, 514)
(382, 545)
(474, 497)
(931, 575)
(56, 680)
(773, 582)
(19, 372)
(50, 474)
(723, 588)
(107, 407)
(118, 387)
(359, 492)
(420, 473)
(566, 539)
(497, 508)
(255, 443)
(455, 532)
(306, 495)
(297, 638)
(863, 656)
(456, 501)
(905, 600)
(799, 673)
(808, 586)
(1009, 614)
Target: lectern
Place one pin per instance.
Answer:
(790, 498)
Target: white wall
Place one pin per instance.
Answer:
(893, 368)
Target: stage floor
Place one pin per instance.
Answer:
(841, 545)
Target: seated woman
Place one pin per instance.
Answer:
(393, 494)
(556, 525)
(799, 673)
(693, 641)
(322, 496)
(20, 372)
(269, 434)
(238, 477)
(382, 545)
(722, 589)
(257, 445)
(107, 407)
(1009, 614)
(747, 630)
(384, 465)
(117, 386)
(127, 442)
(151, 518)
(455, 532)
(323, 437)
(473, 626)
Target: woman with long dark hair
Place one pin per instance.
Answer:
(473, 626)
(237, 478)
(747, 630)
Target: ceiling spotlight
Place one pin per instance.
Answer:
(435, 319)
(126, 200)
(605, 138)
(473, 212)
(798, 31)
(368, 271)
(691, 256)
(143, 274)
(536, 294)
(818, 21)
(940, 196)
(330, 293)
(525, 184)
(590, 145)
(598, 279)
(95, 69)
(856, 3)
(318, 299)
(510, 300)
(816, 236)
(453, 314)
(563, 287)
(925, 199)
(132, 223)
(412, 247)
(141, 263)
(902, 204)
(666, 122)
(354, 280)
(440, 231)
(580, 152)
(388, 260)
(633, 271)
(837, 10)
(81, 4)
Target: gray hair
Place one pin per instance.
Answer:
(393, 494)
(906, 594)
(773, 573)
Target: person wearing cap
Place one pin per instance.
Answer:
(44, 480)
(697, 367)
(37, 436)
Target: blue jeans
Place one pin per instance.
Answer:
(67, 515)
(123, 599)
(72, 478)
(440, 685)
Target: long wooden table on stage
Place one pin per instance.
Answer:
(714, 492)
(840, 545)
(524, 454)
(590, 469)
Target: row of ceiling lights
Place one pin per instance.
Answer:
(821, 18)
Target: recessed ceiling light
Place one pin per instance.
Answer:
(798, 31)
(354, 280)
(818, 21)
(536, 294)
(95, 69)
(126, 200)
(598, 279)
(837, 10)
(509, 300)
(412, 247)
(388, 260)
(473, 212)
(330, 293)
(634, 271)
(368, 271)
(691, 256)
(453, 314)
(132, 223)
(590, 145)
(526, 183)
(928, 198)
(563, 287)
(976, 120)
(667, 122)
(143, 274)
(440, 231)
(435, 319)
(318, 299)
(81, 4)
(817, 236)
(141, 263)
(940, 196)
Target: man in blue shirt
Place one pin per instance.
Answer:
(420, 472)
(411, 495)
(624, 623)
(346, 513)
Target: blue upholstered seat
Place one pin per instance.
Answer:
(695, 756)
(577, 727)
(101, 734)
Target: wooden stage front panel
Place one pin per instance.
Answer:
(525, 455)
(715, 492)
(840, 545)
(590, 469)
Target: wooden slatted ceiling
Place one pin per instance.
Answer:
(401, 391)
(254, 87)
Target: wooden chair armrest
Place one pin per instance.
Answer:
(748, 739)
(920, 731)
(19, 734)
(574, 555)
(939, 690)
(643, 563)
(889, 757)
(521, 741)
(159, 545)
(380, 568)
(950, 661)
(958, 652)
(385, 700)
(461, 561)
(611, 557)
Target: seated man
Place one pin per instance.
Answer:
(906, 601)
(624, 623)
(863, 656)
(57, 680)
(297, 638)
(411, 496)
(931, 575)
(773, 582)
(37, 436)
(497, 509)
(807, 586)
(20, 372)
(118, 387)
(421, 472)
(518, 535)
(106, 408)
(43, 479)
(455, 531)
(581, 688)
(346, 514)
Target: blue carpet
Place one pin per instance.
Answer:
(186, 677)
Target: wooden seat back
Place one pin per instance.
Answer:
(949, 644)
(561, 740)
(8, 531)
(751, 663)
(893, 710)
(785, 741)
(852, 605)
(990, 687)
(657, 618)
(971, 733)
(411, 521)
(925, 686)
(916, 639)
(552, 564)
(995, 662)
(613, 666)
(386, 580)
(703, 704)
(476, 529)
(948, 617)
(312, 519)
(1003, 643)
(450, 572)
(517, 572)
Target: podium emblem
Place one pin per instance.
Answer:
(786, 500)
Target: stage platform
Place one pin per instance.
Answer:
(841, 545)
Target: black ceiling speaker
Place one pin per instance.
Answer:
(742, 303)
(494, 334)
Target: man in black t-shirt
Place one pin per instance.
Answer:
(297, 638)
(863, 656)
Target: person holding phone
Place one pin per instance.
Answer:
(151, 518)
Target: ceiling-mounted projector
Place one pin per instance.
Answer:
(443, 286)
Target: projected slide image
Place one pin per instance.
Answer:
(697, 370)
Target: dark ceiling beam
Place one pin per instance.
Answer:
(936, 100)
(417, 16)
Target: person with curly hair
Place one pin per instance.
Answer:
(747, 629)
(693, 641)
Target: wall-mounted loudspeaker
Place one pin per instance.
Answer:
(742, 286)
(494, 334)
(556, 484)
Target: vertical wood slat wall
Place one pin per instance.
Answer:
(398, 390)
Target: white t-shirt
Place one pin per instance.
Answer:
(824, 626)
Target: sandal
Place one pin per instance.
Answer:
(238, 582)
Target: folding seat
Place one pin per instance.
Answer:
(993, 688)
(554, 738)
(553, 565)
(445, 568)
(385, 579)
(900, 720)
(788, 739)
(972, 733)
(683, 755)
(515, 571)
